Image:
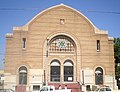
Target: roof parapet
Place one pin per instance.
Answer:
(9, 35)
(24, 28)
(101, 32)
(110, 38)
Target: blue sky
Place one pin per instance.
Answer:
(19, 12)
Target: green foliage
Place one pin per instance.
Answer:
(117, 70)
(117, 55)
(117, 50)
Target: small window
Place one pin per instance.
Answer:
(62, 21)
(98, 45)
(36, 87)
(24, 43)
(108, 89)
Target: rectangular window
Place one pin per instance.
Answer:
(36, 88)
(98, 45)
(62, 21)
(68, 73)
(23, 78)
(55, 73)
(24, 43)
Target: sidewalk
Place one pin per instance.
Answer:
(106, 91)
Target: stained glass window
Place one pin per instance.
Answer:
(62, 44)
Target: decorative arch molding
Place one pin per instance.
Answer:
(55, 62)
(78, 46)
(23, 69)
(23, 66)
(68, 62)
(54, 58)
(101, 67)
(69, 58)
(66, 34)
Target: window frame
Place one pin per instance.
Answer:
(24, 43)
(55, 71)
(23, 75)
(98, 45)
(99, 76)
(68, 71)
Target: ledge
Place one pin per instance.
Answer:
(9, 35)
(110, 38)
(97, 31)
(24, 28)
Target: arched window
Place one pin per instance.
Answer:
(98, 76)
(68, 71)
(55, 71)
(61, 43)
(23, 75)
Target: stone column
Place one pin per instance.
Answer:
(62, 73)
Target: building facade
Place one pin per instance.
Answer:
(59, 45)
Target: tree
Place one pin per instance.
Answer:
(117, 55)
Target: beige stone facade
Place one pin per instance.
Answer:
(64, 34)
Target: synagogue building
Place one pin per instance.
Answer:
(59, 46)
